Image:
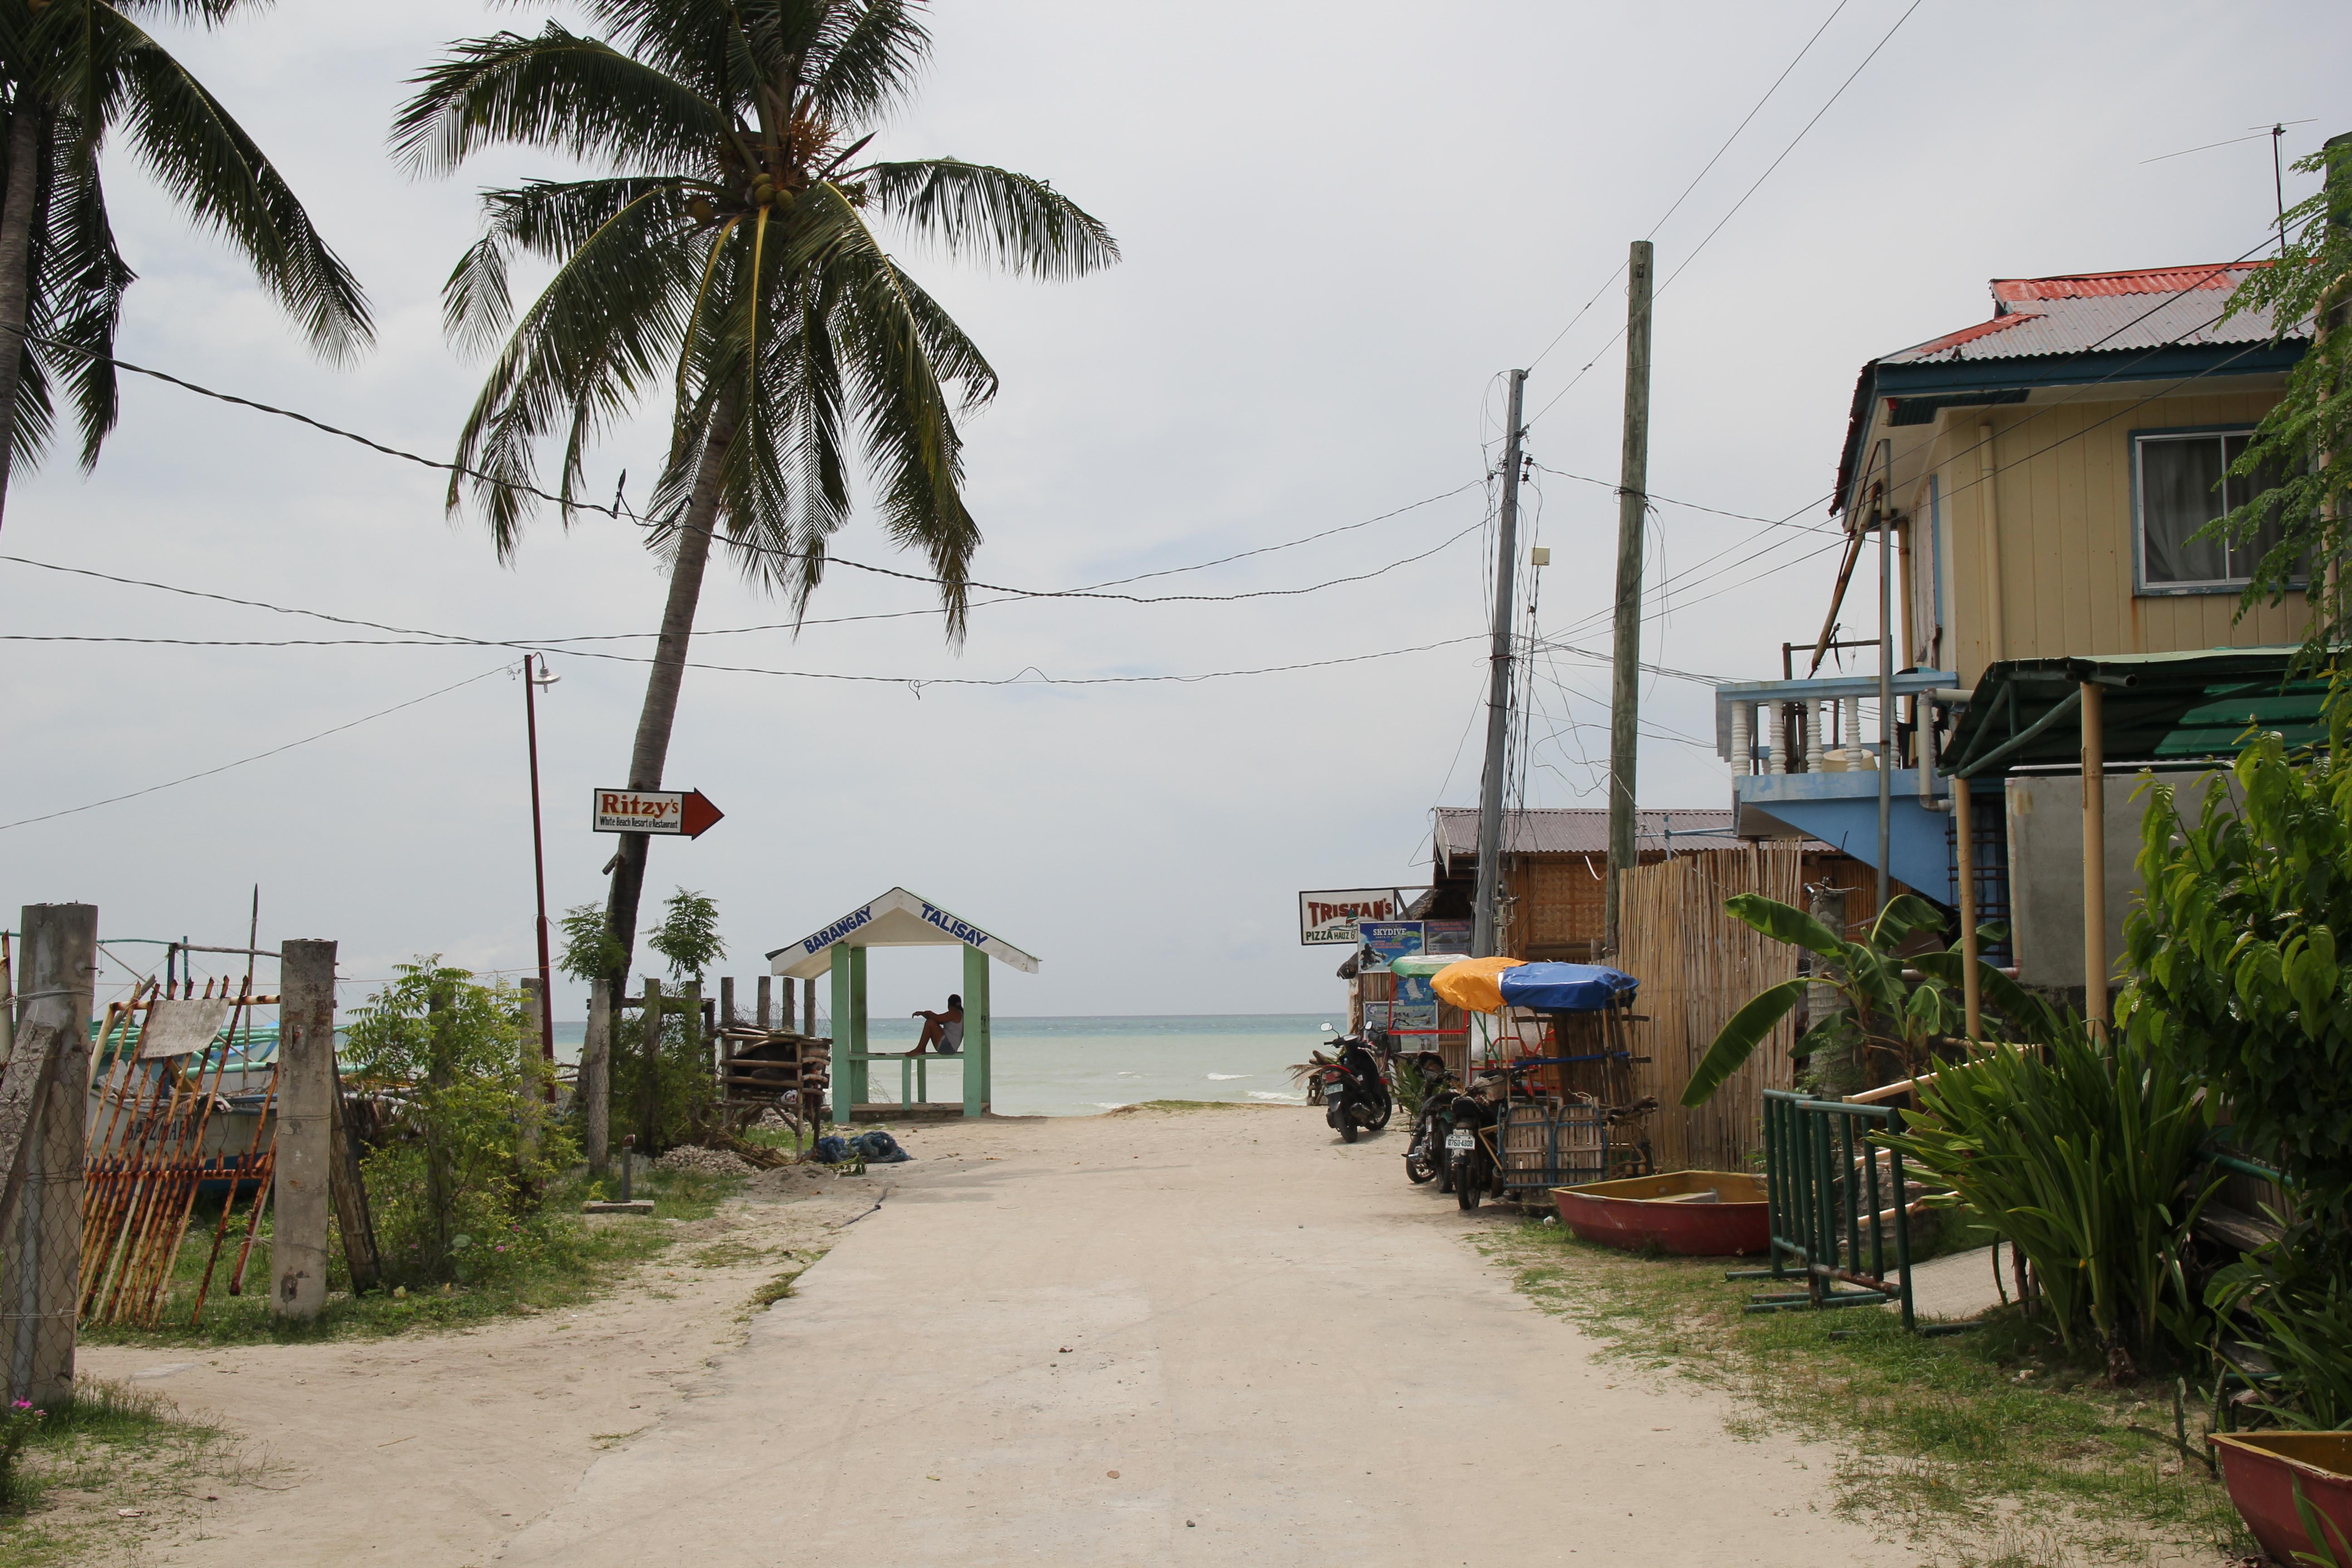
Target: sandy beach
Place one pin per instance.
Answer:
(1212, 1336)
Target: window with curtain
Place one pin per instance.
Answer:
(2182, 486)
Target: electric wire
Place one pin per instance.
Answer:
(1742, 202)
(257, 756)
(1702, 174)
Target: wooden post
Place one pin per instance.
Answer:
(1964, 832)
(305, 1086)
(808, 1005)
(42, 1284)
(596, 1078)
(534, 1032)
(353, 1220)
(649, 1108)
(1625, 650)
(765, 1007)
(975, 1032)
(2095, 856)
(844, 1071)
(694, 1052)
(859, 1048)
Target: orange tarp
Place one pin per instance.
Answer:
(1475, 983)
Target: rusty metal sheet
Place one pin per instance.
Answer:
(182, 1028)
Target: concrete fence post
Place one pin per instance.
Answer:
(40, 1288)
(596, 1078)
(301, 1185)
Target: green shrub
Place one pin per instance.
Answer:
(2086, 1158)
(470, 1140)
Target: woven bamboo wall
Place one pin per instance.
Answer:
(1698, 966)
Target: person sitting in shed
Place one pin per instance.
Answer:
(945, 1028)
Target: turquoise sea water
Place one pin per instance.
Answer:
(1081, 1067)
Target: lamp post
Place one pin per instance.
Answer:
(530, 683)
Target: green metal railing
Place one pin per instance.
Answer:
(1837, 1204)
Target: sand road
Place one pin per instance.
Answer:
(1213, 1336)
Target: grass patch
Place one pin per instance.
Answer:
(568, 1259)
(777, 1289)
(1988, 1448)
(111, 1448)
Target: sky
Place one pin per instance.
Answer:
(1341, 225)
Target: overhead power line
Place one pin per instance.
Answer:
(1802, 133)
(1616, 272)
(257, 756)
(621, 513)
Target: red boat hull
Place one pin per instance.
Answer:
(1701, 1213)
(2262, 1470)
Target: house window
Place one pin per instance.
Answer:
(2181, 487)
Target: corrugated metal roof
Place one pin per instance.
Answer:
(2223, 276)
(1575, 830)
(2104, 311)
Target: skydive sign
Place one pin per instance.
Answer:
(1328, 920)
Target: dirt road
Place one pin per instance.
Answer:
(1209, 1337)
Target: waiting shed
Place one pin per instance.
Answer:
(900, 919)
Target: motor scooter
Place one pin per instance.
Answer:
(1355, 1095)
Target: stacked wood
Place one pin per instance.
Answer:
(774, 1070)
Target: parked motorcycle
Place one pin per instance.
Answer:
(1471, 1171)
(1425, 1159)
(1355, 1096)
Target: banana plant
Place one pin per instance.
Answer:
(1883, 1013)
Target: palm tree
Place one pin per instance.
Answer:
(730, 258)
(75, 70)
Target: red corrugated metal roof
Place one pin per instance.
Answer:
(2223, 274)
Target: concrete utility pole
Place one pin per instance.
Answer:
(1483, 938)
(1625, 652)
(42, 1281)
(306, 1088)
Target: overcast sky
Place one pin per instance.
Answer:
(1341, 224)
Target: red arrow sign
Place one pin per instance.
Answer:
(700, 815)
(668, 812)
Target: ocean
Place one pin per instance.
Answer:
(1082, 1067)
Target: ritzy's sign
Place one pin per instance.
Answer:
(1330, 918)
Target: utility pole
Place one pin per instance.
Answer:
(1625, 652)
(530, 683)
(1483, 938)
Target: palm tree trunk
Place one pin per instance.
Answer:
(26, 144)
(660, 712)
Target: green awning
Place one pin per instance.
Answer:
(2157, 707)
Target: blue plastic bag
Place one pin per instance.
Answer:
(830, 1150)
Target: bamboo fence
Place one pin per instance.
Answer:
(1698, 966)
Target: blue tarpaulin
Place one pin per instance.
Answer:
(1566, 987)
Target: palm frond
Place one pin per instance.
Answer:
(867, 57)
(226, 184)
(579, 95)
(1023, 223)
(79, 284)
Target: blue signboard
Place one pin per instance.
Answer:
(1384, 941)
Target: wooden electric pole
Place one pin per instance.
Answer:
(1485, 939)
(1625, 652)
